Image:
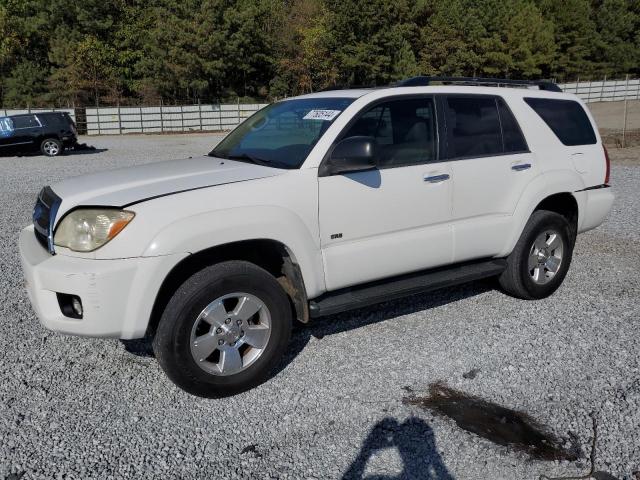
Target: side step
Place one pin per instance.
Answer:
(402, 286)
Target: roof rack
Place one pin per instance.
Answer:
(499, 82)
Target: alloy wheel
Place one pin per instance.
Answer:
(230, 334)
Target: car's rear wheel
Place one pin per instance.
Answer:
(541, 258)
(51, 147)
(224, 330)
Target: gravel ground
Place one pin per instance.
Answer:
(85, 408)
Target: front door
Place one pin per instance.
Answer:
(394, 219)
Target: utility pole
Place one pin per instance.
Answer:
(624, 123)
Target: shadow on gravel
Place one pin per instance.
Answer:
(382, 312)
(84, 151)
(140, 348)
(416, 446)
(498, 424)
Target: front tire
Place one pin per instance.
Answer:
(541, 258)
(224, 330)
(51, 147)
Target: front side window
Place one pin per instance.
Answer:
(282, 134)
(404, 130)
(473, 127)
(25, 121)
(566, 118)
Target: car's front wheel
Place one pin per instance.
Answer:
(51, 147)
(541, 258)
(224, 330)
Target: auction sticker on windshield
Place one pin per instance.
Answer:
(327, 115)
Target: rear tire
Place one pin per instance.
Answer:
(224, 330)
(51, 147)
(541, 258)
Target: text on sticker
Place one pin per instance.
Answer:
(321, 115)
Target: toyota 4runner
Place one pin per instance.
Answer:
(314, 205)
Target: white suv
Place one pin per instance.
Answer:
(314, 205)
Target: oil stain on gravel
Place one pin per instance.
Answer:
(498, 424)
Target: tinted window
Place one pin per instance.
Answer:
(473, 127)
(53, 119)
(25, 121)
(6, 126)
(405, 131)
(511, 134)
(566, 118)
(282, 134)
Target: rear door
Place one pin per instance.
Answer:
(394, 219)
(26, 132)
(491, 165)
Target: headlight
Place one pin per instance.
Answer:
(86, 230)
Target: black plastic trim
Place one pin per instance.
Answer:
(403, 285)
(595, 187)
(65, 303)
(423, 81)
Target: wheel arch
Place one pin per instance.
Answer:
(563, 202)
(271, 255)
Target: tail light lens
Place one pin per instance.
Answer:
(607, 165)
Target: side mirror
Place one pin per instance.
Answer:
(353, 154)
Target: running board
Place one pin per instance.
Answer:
(402, 286)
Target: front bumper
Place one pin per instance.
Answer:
(117, 295)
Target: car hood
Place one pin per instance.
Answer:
(126, 186)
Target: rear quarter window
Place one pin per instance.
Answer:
(53, 119)
(566, 118)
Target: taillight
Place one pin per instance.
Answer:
(607, 161)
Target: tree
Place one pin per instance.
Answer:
(55, 51)
(618, 24)
(575, 37)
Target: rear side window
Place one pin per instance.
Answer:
(25, 121)
(473, 127)
(566, 118)
(512, 137)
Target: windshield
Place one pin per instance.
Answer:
(282, 134)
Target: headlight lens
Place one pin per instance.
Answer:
(86, 230)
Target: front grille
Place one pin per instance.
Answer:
(44, 216)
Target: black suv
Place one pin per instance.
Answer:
(47, 132)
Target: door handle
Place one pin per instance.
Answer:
(521, 166)
(437, 178)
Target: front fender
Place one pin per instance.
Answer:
(219, 227)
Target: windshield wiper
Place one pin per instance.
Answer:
(213, 153)
(245, 157)
(251, 158)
